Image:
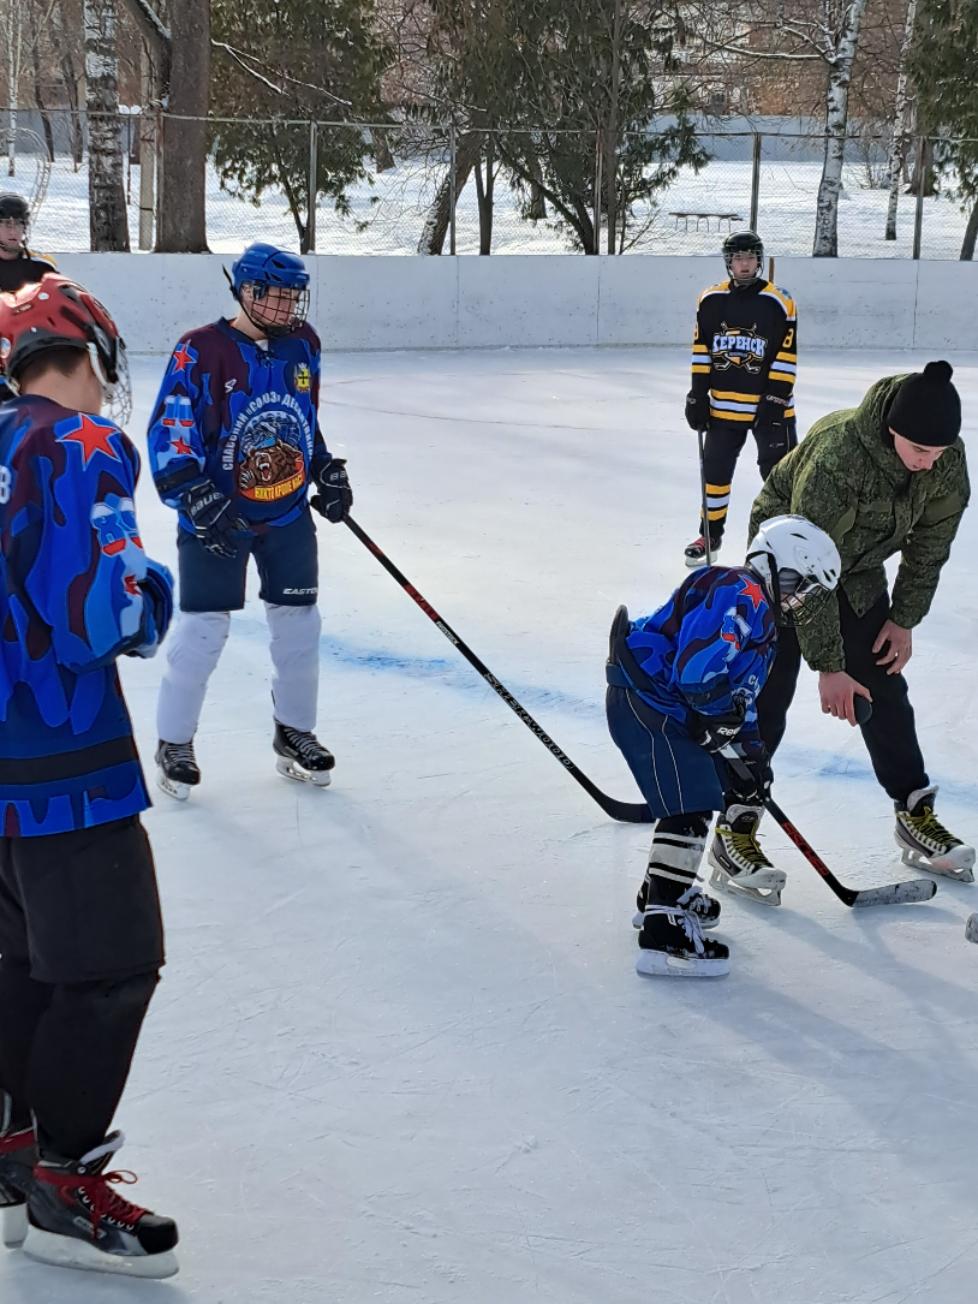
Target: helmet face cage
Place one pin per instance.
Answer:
(798, 598)
(275, 309)
(744, 242)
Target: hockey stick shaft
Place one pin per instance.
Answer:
(628, 812)
(701, 440)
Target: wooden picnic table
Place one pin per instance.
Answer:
(687, 215)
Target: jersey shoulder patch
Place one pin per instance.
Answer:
(782, 297)
(721, 287)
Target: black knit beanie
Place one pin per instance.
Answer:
(927, 408)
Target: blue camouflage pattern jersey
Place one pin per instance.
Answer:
(243, 415)
(70, 563)
(710, 645)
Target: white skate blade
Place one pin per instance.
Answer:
(660, 964)
(70, 1252)
(293, 770)
(178, 791)
(765, 886)
(958, 864)
(14, 1225)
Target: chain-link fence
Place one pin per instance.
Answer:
(419, 187)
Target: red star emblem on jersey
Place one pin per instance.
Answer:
(181, 446)
(94, 437)
(752, 590)
(182, 358)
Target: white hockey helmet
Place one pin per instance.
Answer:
(799, 564)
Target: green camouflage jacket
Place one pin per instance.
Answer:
(846, 477)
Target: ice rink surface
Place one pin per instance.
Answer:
(400, 1053)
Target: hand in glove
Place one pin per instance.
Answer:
(697, 410)
(156, 587)
(334, 497)
(750, 773)
(714, 732)
(213, 518)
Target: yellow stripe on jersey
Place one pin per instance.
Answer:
(722, 287)
(724, 414)
(785, 300)
(734, 396)
(788, 377)
(786, 357)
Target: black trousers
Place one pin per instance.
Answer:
(890, 735)
(721, 449)
(81, 945)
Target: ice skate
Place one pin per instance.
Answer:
(704, 907)
(695, 553)
(672, 945)
(178, 770)
(926, 844)
(78, 1221)
(302, 756)
(738, 862)
(18, 1155)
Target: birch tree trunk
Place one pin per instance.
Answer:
(13, 35)
(108, 222)
(898, 146)
(826, 243)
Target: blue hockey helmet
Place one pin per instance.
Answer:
(278, 284)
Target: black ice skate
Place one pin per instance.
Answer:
(926, 844)
(178, 770)
(738, 861)
(704, 907)
(302, 756)
(672, 945)
(78, 1221)
(18, 1155)
(696, 551)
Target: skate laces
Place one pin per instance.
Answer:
(688, 922)
(97, 1193)
(306, 744)
(695, 902)
(744, 845)
(181, 752)
(930, 830)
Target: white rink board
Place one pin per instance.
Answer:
(542, 300)
(400, 1054)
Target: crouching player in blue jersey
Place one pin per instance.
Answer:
(81, 940)
(682, 687)
(235, 446)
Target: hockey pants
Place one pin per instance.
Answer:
(721, 450)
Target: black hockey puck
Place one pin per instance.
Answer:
(863, 708)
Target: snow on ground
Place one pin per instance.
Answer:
(400, 1053)
(394, 206)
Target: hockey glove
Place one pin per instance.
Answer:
(714, 732)
(769, 418)
(697, 410)
(334, 497)
(215, 523)
(749, 772)
(156, 587)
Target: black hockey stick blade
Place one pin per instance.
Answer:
(627, 812)
(896, 894)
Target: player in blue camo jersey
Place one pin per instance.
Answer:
(682, 686)
(235, 446)
(81, 940)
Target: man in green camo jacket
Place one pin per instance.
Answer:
(888, 477)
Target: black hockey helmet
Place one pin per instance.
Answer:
(14, 208)
(743, 242)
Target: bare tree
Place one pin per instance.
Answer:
(901, 114)
(22, 23)
(108, 220)
(69, 76)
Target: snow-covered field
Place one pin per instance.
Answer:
(395, 205)
(400, 1054)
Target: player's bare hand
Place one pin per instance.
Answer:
(896, 645)
(837, 691)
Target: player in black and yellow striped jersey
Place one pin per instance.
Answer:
(745, 355)
(18, 265)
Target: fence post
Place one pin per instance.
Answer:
(755, 182)
(596, 220)
(918, 215)
(313, 184)
(452, 196)
(147, 176)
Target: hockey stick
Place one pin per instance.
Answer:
(628, 812)
(916, 889)
(700, 438)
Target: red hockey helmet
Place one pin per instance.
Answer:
(57, 312)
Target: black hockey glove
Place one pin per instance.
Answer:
(334, 497)
(769, 418)
(697, 410)
(214, 521)
(714, 732)
(749, 771)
